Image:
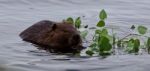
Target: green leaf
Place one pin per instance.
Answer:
(93, 45)
(98, 31)
(108, 47)
(105, 49)
(110, 38)
(104, 44)
(142, 29)
(103, 15)
(78, 22)
(84, 34)
(104, 32)
(70, 20)
(148, 42)
(133, 45)
(136, 45)
(89, 52)
(148, 45)
(130, 43)
(101, 23)
(130, 46)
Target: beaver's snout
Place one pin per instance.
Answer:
(75, 40)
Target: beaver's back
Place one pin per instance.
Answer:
(61, 37)
(37, 31)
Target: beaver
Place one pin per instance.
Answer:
(56, 37)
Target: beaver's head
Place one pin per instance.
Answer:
(64, 37)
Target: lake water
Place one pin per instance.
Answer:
(17, 15)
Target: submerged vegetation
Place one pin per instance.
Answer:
(105, 43)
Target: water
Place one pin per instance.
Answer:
(17, 15)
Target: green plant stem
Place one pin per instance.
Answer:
(131, 35)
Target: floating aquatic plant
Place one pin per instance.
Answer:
(103, 43)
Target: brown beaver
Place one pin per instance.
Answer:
(53, 36)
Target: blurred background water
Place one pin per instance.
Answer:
(17, 15)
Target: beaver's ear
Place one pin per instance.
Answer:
(54, 26)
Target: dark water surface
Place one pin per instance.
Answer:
(16, 15)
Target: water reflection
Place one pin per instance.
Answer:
(20, 14)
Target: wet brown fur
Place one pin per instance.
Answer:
(55, 37)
